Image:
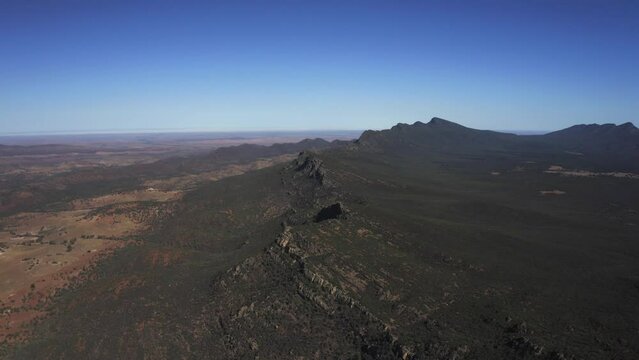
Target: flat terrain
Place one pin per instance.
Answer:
(35, 155)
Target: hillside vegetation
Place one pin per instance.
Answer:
(423, 241)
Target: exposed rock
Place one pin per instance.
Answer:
(310, 165)
(406, 352)
(524, 346)
(284, 237)
(253, 344)
(335, 211)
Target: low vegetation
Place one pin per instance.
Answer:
(424, 241)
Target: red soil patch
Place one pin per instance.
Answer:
(25, 305)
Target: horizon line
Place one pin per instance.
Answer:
(143, 131)
(160, 131)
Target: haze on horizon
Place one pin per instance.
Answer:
(74, 66)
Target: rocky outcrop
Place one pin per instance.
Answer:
(308, 164)
(334, 211)
(284, 237)
(317, 289)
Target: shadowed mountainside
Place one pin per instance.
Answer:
(608, 146)
(438, 134)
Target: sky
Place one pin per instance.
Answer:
(105, 65)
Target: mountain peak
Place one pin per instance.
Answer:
(440, 121)
(434, 123)
(443, 123)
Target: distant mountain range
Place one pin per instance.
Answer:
(439, 132)
(614, 145)
(598, 138)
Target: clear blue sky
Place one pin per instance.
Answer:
(95, 65)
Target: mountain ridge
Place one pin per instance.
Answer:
(444, 135)
(447, 125)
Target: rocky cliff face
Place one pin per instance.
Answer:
(308, 164)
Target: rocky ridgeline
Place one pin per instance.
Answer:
(317, 289)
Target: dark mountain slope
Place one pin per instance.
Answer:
(438, 134)
(606, 137)
(485, 266)
(443, 135)
(608, 144)
(607, 147)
